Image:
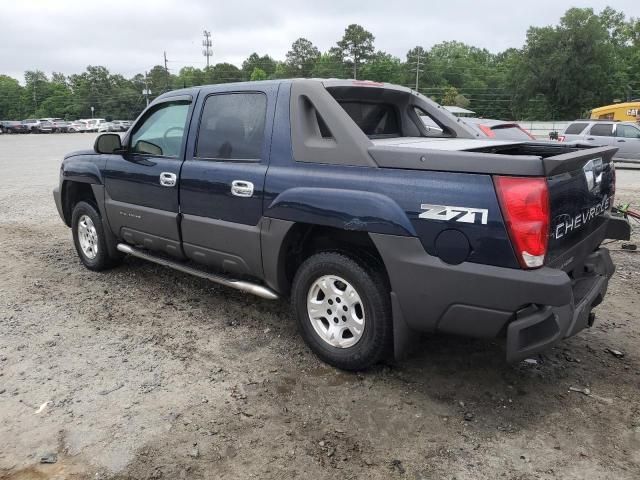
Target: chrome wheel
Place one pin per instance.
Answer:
(88, 237)
(336, 311)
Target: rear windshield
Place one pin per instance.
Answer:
(374, 119)
(575, 128)
(510, 132)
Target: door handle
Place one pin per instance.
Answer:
(242, 188)
(591, 139)
(621, 141)
(168, 179)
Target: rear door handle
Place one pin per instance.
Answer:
(242, 188)
(622, 141)
(168, 179)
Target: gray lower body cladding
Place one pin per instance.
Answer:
(535, 309)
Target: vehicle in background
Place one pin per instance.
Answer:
(499, 129)
(459, 111)
(78, 126)
(107, 127)
(38, 126)
(13, 126)
(121, 125)
(627, 111)
(93, 124)
(625, 136)
(58, 124)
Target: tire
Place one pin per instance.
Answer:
(366, 315)
(89, 238)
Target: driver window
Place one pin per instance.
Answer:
(162, 130)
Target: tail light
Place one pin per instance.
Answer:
(561, 138)
(525, 206)
(487, 131)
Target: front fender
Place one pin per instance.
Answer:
(83, 169)
(354, 210)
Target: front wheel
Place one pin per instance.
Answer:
(89, 238)
(343, 310)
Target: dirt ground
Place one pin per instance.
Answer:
(142, 372)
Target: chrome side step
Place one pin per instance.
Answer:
(249, 287)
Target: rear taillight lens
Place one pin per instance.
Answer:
(525, 207)
(487, 131)
(561, 138)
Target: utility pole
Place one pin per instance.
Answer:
(146, 92)
(166, 71)
(418, 71)
(207, 43)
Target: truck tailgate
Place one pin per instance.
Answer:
(581, 194)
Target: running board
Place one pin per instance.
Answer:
(254, 288)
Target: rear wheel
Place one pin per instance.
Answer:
(343, 310)
(89, 238)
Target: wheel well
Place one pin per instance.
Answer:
(303, 241)
(72, 193)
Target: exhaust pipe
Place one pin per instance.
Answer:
(241, 285)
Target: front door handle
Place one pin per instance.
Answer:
(168, 179)
(242, 188)
(621, 141)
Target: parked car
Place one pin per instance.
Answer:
(12, 126)
(625, 136)
(331, 192)
(500, 129)
(58, 125)
(38, 126)
(77, 126)
(121, 125)
(93, 124)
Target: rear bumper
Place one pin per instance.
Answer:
(534, 309)
(538, 327)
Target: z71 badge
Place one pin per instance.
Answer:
(457, 214)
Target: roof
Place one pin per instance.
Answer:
(458, 110)
(635, 104)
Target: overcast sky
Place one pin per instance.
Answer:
(129, 36)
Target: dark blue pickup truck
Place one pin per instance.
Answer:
(344, 197)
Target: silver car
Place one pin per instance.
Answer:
(624, 135)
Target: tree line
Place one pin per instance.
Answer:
(587, 60)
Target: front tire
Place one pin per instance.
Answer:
(343, 310)
(89, 238)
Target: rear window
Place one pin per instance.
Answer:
(627, 131)
(374, 119)
(510, 132)
(575, 128)
(602, 130)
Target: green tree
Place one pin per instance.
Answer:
(329, 65)
(258, 74)
(11, 94)
(382, 67)
(302, 58)
(356, 46)
(264, 63)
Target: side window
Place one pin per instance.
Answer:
(232, 127)
(431, 126)
(602, 130)
(575, 128)
(161, 130)
(627, 131)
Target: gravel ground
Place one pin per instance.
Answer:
(142, 372)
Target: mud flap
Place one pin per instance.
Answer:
(403, 337)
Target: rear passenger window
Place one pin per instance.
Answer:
(627, 131)
(602, 130)
(575, 128)
(232, 127)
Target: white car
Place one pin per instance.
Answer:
(78, 126)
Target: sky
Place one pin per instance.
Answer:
(130, 36)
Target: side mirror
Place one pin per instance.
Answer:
(108, 143)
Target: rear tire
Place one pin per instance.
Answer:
(89, 238)
(343, 310)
